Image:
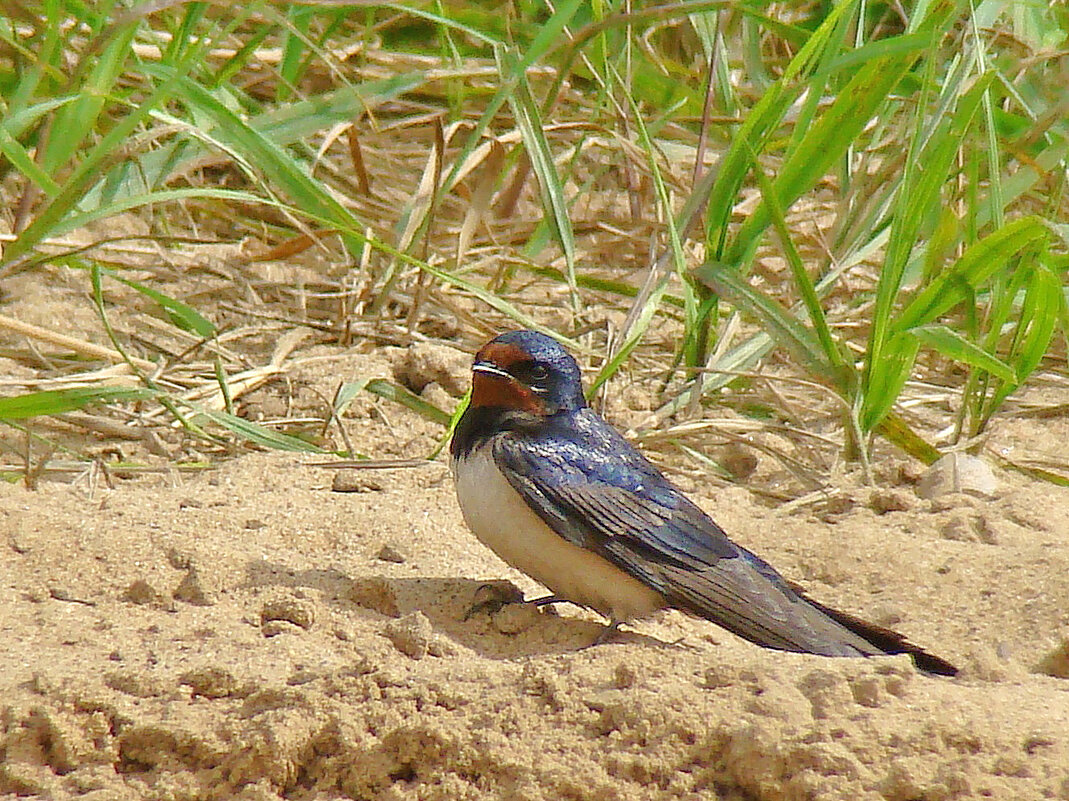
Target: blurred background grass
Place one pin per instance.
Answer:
(844, 223)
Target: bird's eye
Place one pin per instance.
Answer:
(539, 372)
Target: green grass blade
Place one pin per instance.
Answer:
(17, 123)
(978, 263)
(992, 150)
(954, 346)
(77, 220)
(462, 407)
(256, 433)
(490, 299)
(927, 169)
(396, 393)
(753, 135)
(529, 121)
(806, 289)
(895, 430)
(780, 324)
(284, 125)
(181, 314)
(58, 401)
(224, 385)
(74, 120)
(294, 51)
(608, 370)
(883, 387)
(1044, 303)
(1030, 177)
(550, 35)
(633, 334)
(22, 161)
(439, 19)
(609, 285)
(97, 283)
(85, 173)
(728, 174)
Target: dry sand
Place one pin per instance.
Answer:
(247, 632)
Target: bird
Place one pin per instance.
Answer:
(559, 494)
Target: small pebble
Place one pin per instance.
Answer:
(135, 683)
(375, 594)
(986, 664)
(959, 527)
(63, 594)
(958, 472)
(868, 691)
(300, 676)
(387, 553)
(624, 676)
(738, 460)
(952, 501)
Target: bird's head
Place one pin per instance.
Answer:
(527, 372)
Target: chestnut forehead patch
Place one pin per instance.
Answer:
(502, 354)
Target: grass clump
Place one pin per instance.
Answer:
(868, 197)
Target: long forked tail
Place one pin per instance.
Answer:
(888, 641)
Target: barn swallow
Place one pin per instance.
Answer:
(560, 495)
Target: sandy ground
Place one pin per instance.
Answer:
(248, 632)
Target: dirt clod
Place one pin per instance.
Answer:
(194, 590)
(355, 481)
(299, 613)
(142, 592)
(1056, 661)
(893, 499)
(411, 634)
(425, 362)
(211, 682)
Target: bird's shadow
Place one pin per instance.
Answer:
(452, 605)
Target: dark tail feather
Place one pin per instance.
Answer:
(888, 641)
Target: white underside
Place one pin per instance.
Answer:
(501, 520)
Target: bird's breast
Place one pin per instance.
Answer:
(500, 518)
